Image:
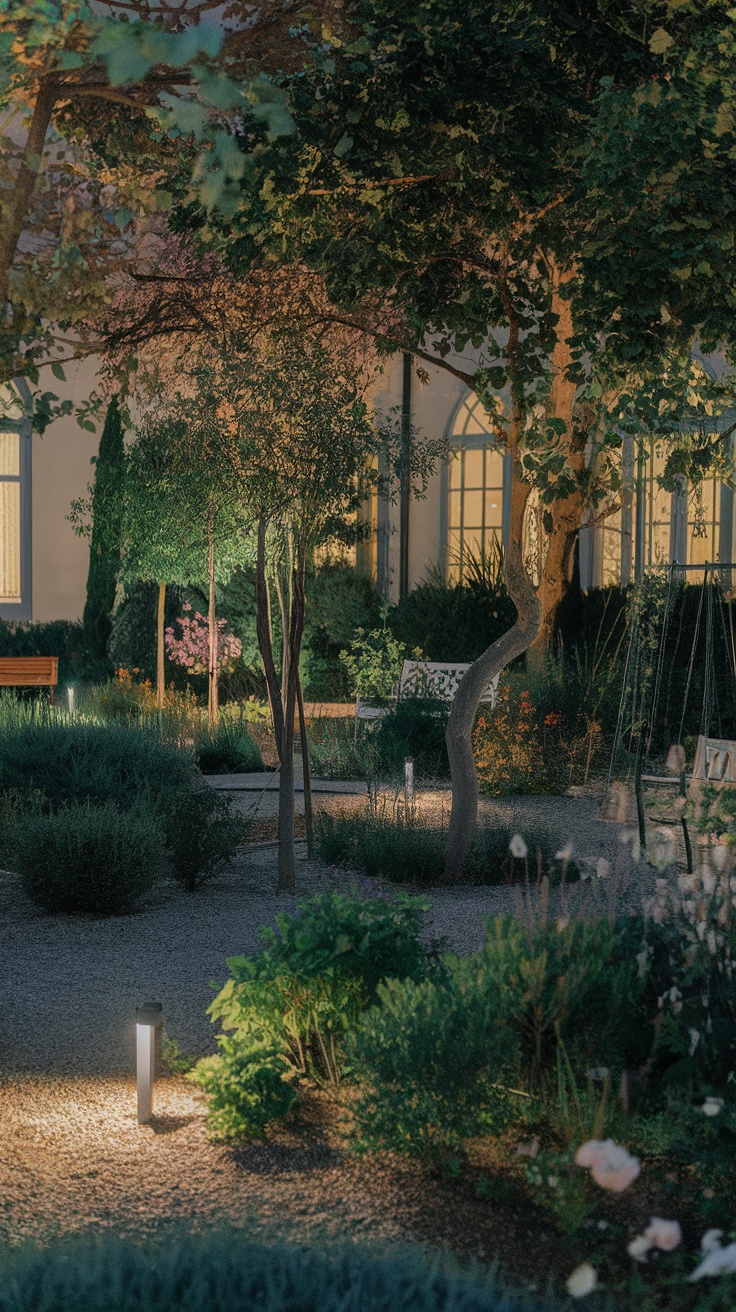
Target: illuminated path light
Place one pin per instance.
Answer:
(409, 778)
(71, 699)
(148, 1019)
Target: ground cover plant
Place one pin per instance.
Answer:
(391, 839)
(73, 788)
(580, 1067)
(225, 1273)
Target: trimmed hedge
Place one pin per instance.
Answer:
(224, 1273)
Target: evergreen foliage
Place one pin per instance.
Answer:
(106, 536)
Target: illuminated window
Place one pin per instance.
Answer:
(704, 523)
(10, 585)
(15, 502)
(476, 478)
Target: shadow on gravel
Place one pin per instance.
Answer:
(285, 1158)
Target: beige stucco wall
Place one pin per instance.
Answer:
(61, 471)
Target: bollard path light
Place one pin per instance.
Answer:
(148, 1019)
(409, 777)
(71, 699)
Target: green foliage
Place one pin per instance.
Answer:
(87, 858)
(105, 536)
(303, 992)
(414, 727)
(245, 1086)
(226, 1273)
(134, 768)
(228, 750)
(430, 1058)
(340, 749)
(373, 663)
(390, 841)
(61, 638)
(452, 621)
(339, 601)
(132, 643)
(203, 833)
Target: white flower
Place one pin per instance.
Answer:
(638, 1248)
(602, 868)
(518, 847)
(664, 1235)
(611, 1166)
(529, 1149)
(712, 1106)
(710, 1241)
(583, 1280)
(694, 1041)
(564, 853)
(717, 1262)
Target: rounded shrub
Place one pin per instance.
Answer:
(229, 749)
(88, 858)
(416, 728)
(224, 1273)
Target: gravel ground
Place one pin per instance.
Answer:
(73, 1156)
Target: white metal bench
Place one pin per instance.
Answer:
(439, 679)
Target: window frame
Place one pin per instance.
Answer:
(469, 442)
(23, 609)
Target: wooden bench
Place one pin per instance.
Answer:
(29, 672)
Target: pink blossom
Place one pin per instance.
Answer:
(611, 1166)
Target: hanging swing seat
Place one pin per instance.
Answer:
(715, 761)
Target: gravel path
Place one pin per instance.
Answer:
(71, 984)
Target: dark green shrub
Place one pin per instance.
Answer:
(62, 638)
(225, 1273)
(228, 750)
(88, 858)
(416, 728)
(453, 622)
(336, 751)
(106, 508)
(390, 842)
(339, 601)
(431, 1059)
(245, 1086)
(203, 833)
(301, 994)
(132, 644)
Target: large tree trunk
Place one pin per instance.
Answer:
(566, 512)
(212, 663)
(18, 204)
(160, 618)
(459, 735)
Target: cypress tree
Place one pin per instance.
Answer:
(105, 544)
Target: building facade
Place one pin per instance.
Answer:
(463, 516)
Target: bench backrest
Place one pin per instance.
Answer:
(439, 679)
(29, 671)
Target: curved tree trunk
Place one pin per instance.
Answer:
(18, 204)
(286, 853)
(212, 671)
(265, 641)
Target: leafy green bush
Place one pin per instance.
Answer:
(88, 858)
(373, 663)
(452, 622)
(339, 601)
(390, 841)
(62, 638)
(416, 728)
(431, 1059)
(301, 994)
(225, 1273)
(203, 834)
(337, 751)
(245, 1086)
(228, 750)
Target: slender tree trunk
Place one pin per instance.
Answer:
(566, 512)
(19, 202)
(459, 735)
(265, 642)
(285, 611)
(160, 618)
(286, 854)
(308, 813)
(212, 671)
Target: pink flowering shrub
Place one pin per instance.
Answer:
(191, 646)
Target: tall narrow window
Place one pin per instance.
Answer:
(10, 519)
(475, 490)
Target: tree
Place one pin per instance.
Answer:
(184, 520)
(441, 180)
(76, 204)
(105, 537)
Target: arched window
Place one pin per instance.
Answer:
(476, 497)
